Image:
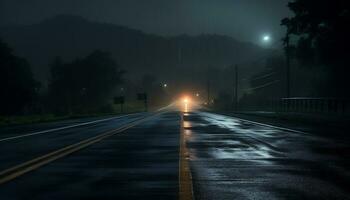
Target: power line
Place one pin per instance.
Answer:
(262, 86)
(263, 76)
(275, 51)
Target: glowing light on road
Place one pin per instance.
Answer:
(165, 85)
(186, 100)
(186, 107)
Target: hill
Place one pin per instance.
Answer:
(72, 36)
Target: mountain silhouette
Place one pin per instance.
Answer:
(137, 52)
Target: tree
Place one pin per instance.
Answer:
(83, 85)
(17, 84)
(321, 29)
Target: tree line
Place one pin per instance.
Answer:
(84, 85)
(318, 34)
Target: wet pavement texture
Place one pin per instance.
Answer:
(19, 150)
(230, 158)
(235, 159)
(139, 163)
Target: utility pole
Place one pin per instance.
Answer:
(236, 88)
(146, 103)
(208, 89)
(179, 56)
(288, 66)
(233, 104)
(208, 85)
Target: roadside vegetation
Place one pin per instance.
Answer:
(83, 87)
(315, 47)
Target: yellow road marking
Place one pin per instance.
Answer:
(185, 179)
(18, 170)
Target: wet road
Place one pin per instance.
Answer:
(235, 159)
(228, 158)
(138, 163)
(22, 143)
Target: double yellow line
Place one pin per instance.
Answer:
(18, 170)
(185, 178)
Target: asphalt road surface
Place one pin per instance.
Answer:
(237, 159)
(145, 156)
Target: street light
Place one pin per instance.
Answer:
(266, 38)
(165, 85)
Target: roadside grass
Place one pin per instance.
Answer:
(29, 119)
(298, 117)
(298, 121)
(309, 118)
(131, 107)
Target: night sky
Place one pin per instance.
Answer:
(245, 20)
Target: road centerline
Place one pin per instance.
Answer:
(185, 179)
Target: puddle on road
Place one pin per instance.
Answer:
(238, 126)
(236, 142)
(242, 154)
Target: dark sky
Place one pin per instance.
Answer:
(246, 20)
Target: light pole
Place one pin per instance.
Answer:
(266, 39)
(288, 65)
(236, 88)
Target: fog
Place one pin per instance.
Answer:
(77, 56)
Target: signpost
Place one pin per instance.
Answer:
(143, 97)
(120, 100)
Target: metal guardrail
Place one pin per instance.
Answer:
(311, 105)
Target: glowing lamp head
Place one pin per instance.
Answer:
(266, 38)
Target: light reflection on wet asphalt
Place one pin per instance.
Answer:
(235, 159)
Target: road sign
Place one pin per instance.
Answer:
(143, 97)
(119, 100)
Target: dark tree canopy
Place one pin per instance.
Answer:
(321, 25)
(17, 85)
(322, 32)
(83, 85)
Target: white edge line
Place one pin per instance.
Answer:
(261, 124)
(62, 128)
(165, 107)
